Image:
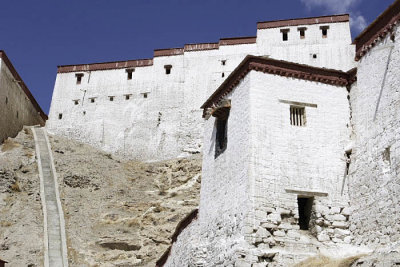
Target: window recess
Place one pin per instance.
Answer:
(302, 32)
(285, 34)
(78, 77)
(324, 31)
(129, 73)
(297, 116)
(221, 113)
(168, 69)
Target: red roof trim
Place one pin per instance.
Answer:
(28, 93)
(377, 30)
(277, 67)
(302, 21)
(200, 47)
(105, 65)
(238, 40)
(168, 52)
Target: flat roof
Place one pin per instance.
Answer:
(303, 21)
(191, 47)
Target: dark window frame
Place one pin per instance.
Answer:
(324, 31)
(285, 34)
(78, 77)
(297, 116)
(168, 69)
(129, 73)
(302, 32)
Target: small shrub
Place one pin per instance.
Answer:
(5, 223)
(15, 187)
(9, 145)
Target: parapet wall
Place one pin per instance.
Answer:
(18, 107)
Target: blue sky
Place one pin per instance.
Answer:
(39, 35)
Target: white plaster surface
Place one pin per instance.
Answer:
(375, 161)
(246, 215)
(168, 123)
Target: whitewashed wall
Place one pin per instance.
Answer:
(224, 197)
(245, 211)
(168, 123)
(333, 52)
(308, 159)
(375, 167)
(16, 110)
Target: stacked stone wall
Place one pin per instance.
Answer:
(375, 160)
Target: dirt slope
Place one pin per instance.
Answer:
(117, 212)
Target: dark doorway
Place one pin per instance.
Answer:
(305, 205)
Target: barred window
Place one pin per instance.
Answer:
(297, 116)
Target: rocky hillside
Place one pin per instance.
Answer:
(117, 212)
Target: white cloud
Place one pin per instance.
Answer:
(357, 21)
(331, 5)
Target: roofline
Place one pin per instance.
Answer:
(303, 21)
(105, 62)
(105, 65)
(278, 67)
(377, 30)
(22, 84)
(191, 47)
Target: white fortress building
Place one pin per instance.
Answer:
(300, 161)
(298, 126)
(149, 109)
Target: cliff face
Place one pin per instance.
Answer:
(117, 212)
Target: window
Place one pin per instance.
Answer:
(144, 95)
(314, 56)
(92, 99)
(305, 207)
(302, 32)
(6, 100)
(111, 98)
(127, 97)
(76, 102)
(79, 78)
(285, 34)
(221, 139)
(129, 73)
(297, 116)
(59, 116)
(17, 114)
(223, 75)
(324, 30)
(168, 69)
(223, 62)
